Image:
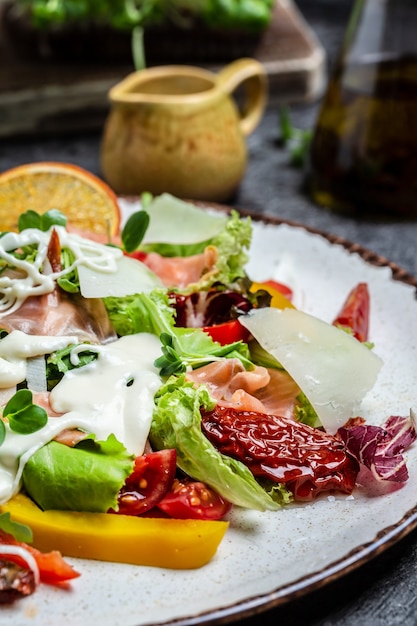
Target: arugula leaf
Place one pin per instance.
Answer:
(19, 531)
(23, 416)
(70, 282)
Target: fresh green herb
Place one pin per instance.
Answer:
(348, 330)
(127, 14)
(44, 221)
(190, 348)
(296, 140)
(70, 282)
(59, 362)
(20, 532)
(135, 16)
(145, 199)
(181, 347)
(23, 416)
(305, 412)
(134, 230)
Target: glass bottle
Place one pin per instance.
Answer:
(363, 158)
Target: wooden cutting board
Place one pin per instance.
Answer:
(39, 97)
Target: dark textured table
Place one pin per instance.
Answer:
(382, 592)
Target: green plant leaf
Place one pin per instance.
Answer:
(24, 417)
(134, 230)
(19, 531)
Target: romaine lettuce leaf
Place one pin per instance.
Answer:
(87, 477)
(176, 424)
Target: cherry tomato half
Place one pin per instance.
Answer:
(137, 254)
(228, 332)
(189, 499)
(150, 480)
(355, 312)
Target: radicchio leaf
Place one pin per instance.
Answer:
(380, 448)
(205, 308)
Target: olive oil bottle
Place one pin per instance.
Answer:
(363, 158)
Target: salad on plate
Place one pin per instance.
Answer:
(148, 385)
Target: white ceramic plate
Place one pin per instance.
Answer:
(266, 558)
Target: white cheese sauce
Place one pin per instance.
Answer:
(17, 347)
(111, 395)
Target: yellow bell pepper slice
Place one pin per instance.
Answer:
(278, 300)
(158, 542)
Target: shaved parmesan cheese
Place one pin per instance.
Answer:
(177, 222)
(332, 368)
(130, 277)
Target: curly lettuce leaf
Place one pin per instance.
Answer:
(87, 477)
(181, 347)
(176, 424)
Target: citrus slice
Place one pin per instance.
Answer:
(88, 203)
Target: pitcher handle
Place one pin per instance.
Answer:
(251, 74)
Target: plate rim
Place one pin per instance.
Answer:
(258, 603)
(359, 556)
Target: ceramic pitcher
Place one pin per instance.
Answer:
(182, 129)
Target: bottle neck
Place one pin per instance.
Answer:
(381, 29)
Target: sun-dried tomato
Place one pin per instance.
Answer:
(305, 459)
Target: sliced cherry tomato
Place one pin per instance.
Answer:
(228, 332)
(53, 569)
(189, 499)
(150, 480)
(355, 312)
(137, 254)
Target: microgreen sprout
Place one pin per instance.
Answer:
(43, 222)
(23, 416)
(136, 226)
(297, 140)
(20, 532)
(175, 359)
(134, 230)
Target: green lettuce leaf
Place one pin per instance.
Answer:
(59, 362)
(232, 246)
(182, 347)
(177, 424)
(305, 412)
(87, 477)
(182, 229)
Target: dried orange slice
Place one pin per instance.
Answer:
(88, 203)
